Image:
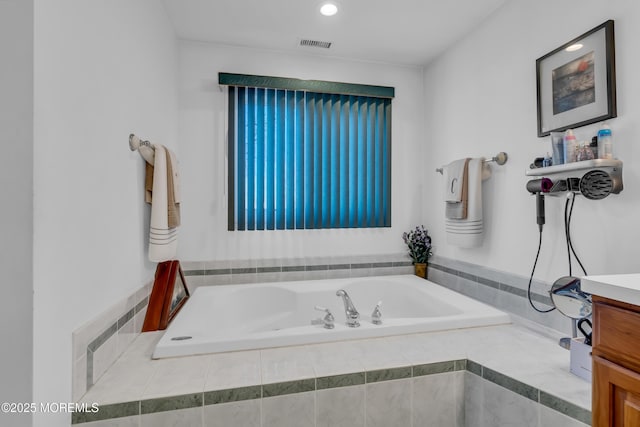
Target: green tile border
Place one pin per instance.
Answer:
(569, 409)
(336, 381)
(435, 368)
(288, 387)
(107, 412)
(109, 332)
(244, 270)
(292, 268)
(361, 265)
(208, 272)
(171, 403)
(311, 266)
(389, 374)
(269, 270)
(509, 383)
(461, 364)
(500, 286)
(232, 395)
(536, 395)
(214, 397)
(474, 368)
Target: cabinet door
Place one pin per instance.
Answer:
(615, 335)
(616, 395)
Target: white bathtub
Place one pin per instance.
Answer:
(242, 317)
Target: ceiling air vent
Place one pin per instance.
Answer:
(315, 43)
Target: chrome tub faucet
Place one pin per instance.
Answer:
(349, 309)
(376, 316)
(327, 321)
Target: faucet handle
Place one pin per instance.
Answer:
(376, 316)
(328, 321)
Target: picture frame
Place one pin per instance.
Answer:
(168, 296)
(576, 83)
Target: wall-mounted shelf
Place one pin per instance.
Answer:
(570, 169)
(595, 179)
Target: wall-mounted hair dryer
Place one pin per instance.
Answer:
(538, 187)
(542, 185)
(594, 179)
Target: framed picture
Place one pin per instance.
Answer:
(167, 297)
(576, 83)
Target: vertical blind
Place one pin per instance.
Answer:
(307, 160)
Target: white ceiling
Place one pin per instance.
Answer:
(395, 31)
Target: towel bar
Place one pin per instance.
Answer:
(145, 148)
(135, 143)
(500, 158)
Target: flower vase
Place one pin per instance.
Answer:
(421, 269)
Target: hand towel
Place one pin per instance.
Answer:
(458, 188)
(469, 232)
(163, 239)
(453, 180)
(148, 182)
(173, 194)
(173, 188)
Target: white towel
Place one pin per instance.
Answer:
(176, 176)
(469, 232)
(453, 181)
(457, 189)
(163, 241)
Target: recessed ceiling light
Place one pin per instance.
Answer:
(328, 9)
(574, 47)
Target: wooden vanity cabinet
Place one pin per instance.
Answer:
(616, 364)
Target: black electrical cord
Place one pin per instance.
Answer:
(568, 212)
(531, 279)
(567, 237)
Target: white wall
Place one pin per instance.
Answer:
(481, 99)
(106, 68)
(103, 69)
(204, 234)
(16, 215)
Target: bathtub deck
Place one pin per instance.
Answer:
(511, 350)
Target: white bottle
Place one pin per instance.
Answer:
(605, 142)
(569, 146)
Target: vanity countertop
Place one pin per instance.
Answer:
(619, 287)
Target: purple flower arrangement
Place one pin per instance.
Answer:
(419, 243)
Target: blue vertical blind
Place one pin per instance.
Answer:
(307, 160)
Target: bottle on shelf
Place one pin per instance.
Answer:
(569, 146)
(605, 142)
(584, 153)
(557, 148)
(594, 146)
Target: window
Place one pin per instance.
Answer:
(301, 157)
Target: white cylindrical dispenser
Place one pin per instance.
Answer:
(605, 142)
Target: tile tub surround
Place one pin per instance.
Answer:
(227, 272)
(99, 343)
(324, 382)
(505, 291)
